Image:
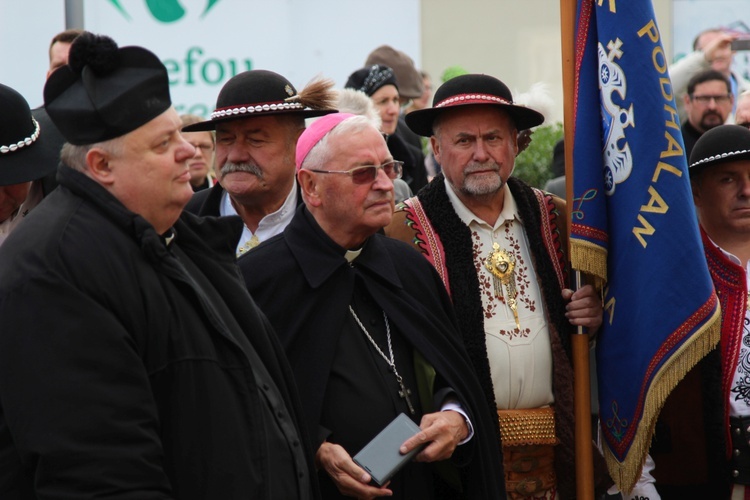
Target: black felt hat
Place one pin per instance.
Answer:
(719, 145)
(104, 91)
(472, 89)
(25, 155)
(261, 92)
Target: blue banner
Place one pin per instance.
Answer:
(634, 226)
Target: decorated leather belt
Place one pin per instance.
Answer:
(528, 439)
(740, 461)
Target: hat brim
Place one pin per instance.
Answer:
(421, 121)
(30, 162)
(209, 125)
(696, 168)
(718, 145)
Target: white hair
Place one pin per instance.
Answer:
(75, 156)
(357, 102)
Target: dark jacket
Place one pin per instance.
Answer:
(206, 202)
(118, 376)
(690, 136)
(405, 145)
(304, 284)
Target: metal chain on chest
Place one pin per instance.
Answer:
(404, 392)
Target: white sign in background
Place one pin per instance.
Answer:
(203, 43)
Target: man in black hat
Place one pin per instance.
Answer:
(701, 447)
(25, 157)
(259, 116)
(497, 244)
(133, 362)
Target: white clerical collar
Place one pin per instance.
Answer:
(350, 255)
(508, 213)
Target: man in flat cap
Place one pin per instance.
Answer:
(25, 157)
(259, 116)
(701, 448)
(133, 362)
(496, 243)
(368, 327)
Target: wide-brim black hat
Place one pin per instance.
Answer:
(258, 92)
(25, 155)
(720, 145)
(105, 92)
(468, 90)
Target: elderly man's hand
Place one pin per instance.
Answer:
(584, 308)
(350, 478)
(443, 431)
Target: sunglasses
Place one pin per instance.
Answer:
(368, 173)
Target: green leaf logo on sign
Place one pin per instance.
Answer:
(164, 11)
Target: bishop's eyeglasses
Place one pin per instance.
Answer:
(368, 173)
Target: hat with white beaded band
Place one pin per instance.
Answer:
(720, 145)
(260, 92)
(471, 90)
(24, 154)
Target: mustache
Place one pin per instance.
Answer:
(712, 113)
(248, 167)
(476, 166)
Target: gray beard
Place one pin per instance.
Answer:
(484, 187)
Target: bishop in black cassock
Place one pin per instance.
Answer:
(334, 290)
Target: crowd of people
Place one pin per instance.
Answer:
(232, 307)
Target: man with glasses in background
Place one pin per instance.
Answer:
(708, 104)
(368, 327)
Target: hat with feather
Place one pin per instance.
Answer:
(260, 92)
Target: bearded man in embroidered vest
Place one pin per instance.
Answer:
(703, 452)
(497, 245)
(368, 327)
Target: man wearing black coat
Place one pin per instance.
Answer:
(368, 328)
(133, 363)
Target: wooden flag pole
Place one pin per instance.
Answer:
(580, 340)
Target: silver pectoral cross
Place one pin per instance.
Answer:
(405, 393)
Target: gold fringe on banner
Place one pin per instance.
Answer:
(626, 473)
(588, 258)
